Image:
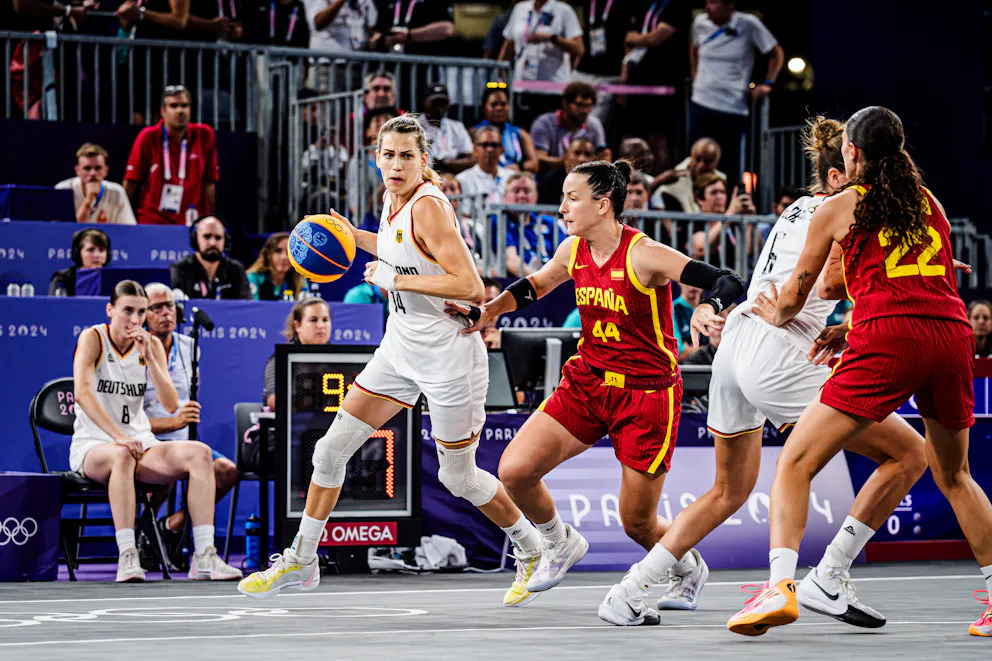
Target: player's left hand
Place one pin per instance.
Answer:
(476, 317)
(380, 274)
(831, 341)
(142, 340)
(704, 320)
(764, 306)
(961, 266)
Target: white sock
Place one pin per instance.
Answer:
(525, 536)
(125, 540)
(987, 573)
(203, 537)
(305, 544)
(783, 565)
(657, 562)
(847, 544)
(554, 530)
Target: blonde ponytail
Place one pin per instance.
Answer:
(432, 176)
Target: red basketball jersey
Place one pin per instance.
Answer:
(626, 327)
(892, 280)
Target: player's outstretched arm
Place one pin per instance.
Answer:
(437, 234)
(364, 239)
(825, 227)
(654, 264)
(521, 293)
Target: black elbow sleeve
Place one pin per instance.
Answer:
(724, 285)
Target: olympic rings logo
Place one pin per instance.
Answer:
(17, 532)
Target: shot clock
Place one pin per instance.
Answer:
(382, 483)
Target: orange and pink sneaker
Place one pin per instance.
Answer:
(983, 625)
(769, 607)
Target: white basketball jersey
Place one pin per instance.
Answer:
(775, 265)
(421, 341)
(119, 385)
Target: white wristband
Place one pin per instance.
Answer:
(384, 276)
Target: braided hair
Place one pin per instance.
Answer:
(608, 180)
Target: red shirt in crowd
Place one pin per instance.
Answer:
(146, 165)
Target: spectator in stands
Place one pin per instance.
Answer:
(175, 185)
(553, 131)
(704, 157)
(161, 322)
(414, 27)
(280, 23)
(490, 332)
(573, 320)
(606, 25)
(682, 309)
(40, 15)
(493, 41)
(544, 39)
(309, 322)
(208, 273)
(380, 90)
(721, 60)
(90, 250)
(638, 151)
(97, 200)
(580, 150)
(786, 196)
(530, 237)
(372, 176)
(711, 197)
(450, 143)
(208, 22)
(656, 43)
(637, 192)
(340, 26)
(518, 147)
(113, 444)
(167, 21)
(272, 277)
(484, 182)
(980, 315)
(453, 190)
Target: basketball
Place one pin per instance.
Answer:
(321, 248)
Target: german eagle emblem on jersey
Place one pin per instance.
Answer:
(141, 361)
(399, 236)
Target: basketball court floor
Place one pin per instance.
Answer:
(929, 608)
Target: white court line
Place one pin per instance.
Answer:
(297, 595)
(315, 634)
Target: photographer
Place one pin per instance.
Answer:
(161, 321)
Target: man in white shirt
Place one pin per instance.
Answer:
(544, 38)
(340, 26)
(485, 182)
(451, 146)
(721, 60)
(96, 200)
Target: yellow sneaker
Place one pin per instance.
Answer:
(771, 606)
(518, 595)
(285, 572)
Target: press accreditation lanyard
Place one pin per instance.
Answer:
(292, 21)
(167, 164)
(409, 12)
(606, 10)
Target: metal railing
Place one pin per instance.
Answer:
(781, 160)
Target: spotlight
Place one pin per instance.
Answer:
(797, 65)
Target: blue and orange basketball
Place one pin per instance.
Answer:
(321, 248)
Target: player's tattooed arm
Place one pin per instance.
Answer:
(803, 281)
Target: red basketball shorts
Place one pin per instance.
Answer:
(892, 359)
(642, 424)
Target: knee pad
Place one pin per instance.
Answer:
(463, 478)
(332, 452)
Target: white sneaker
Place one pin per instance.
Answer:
(557, 559)
(684, 589)
(831, 593)
(285, 572)
(624, 604)
(209, 567)
(129, 568)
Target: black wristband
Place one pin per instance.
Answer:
(724, 285)
(523, 292)
(474, 313)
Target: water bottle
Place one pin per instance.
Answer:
(287, 295)
(13, 289)
(60, 290)
(253, 546)
(315, 290)
(27, 289)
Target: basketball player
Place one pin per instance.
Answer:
(422, 260)
(909, 336)
(112, 440)
(763, 373)
(624, 381)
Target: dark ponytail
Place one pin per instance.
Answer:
(894, 200)
(608, 180)
(127, 288)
